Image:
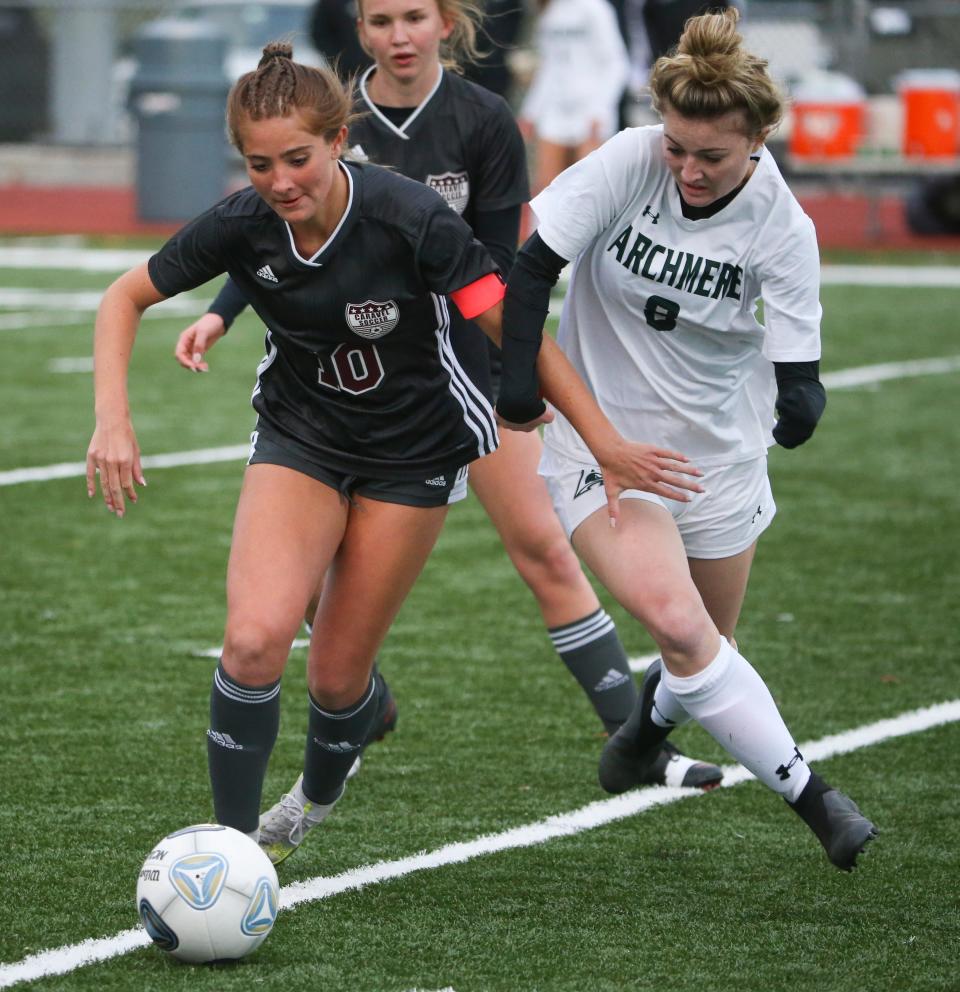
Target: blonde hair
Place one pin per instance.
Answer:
(709, 74)
(279, 87)
(463, 44)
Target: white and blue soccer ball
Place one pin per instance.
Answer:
(207, 893)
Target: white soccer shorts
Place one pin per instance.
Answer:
(735, 509)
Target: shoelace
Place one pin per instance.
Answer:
(294, 818)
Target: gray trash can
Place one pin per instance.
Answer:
(178, 97)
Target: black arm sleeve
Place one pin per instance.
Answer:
(801, 399)
(229, 303)
(497, 231)
(525, 310)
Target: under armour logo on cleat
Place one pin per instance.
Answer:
(784, 770)
(267, 273)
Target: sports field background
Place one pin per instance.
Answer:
(108, 626)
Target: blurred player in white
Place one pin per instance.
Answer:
(677, 231)
(572, 104)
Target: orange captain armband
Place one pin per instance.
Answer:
(479, 296)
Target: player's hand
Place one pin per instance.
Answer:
(632, 465)
(531, 425)
(114, 455)
(197, 340)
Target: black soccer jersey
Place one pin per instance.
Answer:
(463, 142)
(359, 366)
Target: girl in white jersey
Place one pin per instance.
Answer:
(676, 232)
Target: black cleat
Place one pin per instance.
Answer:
(621, 768)
(836, 820)
(384, 722)
(625, 763)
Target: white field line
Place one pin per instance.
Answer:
(174, 459)
(63, 960)
(866, 375)
(118, 260)
(82, 363)
(842, 379)
(44, 299)
(56, 319)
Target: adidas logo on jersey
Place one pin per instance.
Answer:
(437, 480)
(267, 273)
(358, 154)
(224, 740)
(611, 680)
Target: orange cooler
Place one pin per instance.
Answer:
(829, 114)
(931, 112)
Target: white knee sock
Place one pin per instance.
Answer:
(732, 703)
(667, 711)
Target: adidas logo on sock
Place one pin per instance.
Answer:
(611, 680)
(267, 273)
(344, 747)
(224, 740)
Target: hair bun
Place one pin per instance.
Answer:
(275, 50)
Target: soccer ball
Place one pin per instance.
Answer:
(207, 893)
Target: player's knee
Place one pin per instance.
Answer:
(254, 653)
(338, 690)
(550, 562)
(677, 624)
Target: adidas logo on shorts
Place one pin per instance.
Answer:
(437, 480)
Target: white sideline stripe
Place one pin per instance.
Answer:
(52, 318)
(641, 662)
(866, 374)
(44, 299)
(82, 363)
(897, 276)
(66, 959)
(842, 379)
(70, 470)
(118, 260)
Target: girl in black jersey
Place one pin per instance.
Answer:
(365, 420)
(365, 416)
(434, 126)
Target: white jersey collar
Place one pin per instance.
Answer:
(312, 260)
(415, 113)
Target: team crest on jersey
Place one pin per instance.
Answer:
(372, 320)
(454, 187)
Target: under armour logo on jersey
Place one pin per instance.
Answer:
(648, 212)
(590, 478)
(784, 770)
(267, 273)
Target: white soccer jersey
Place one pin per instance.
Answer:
(660, 318)
(583, 68)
